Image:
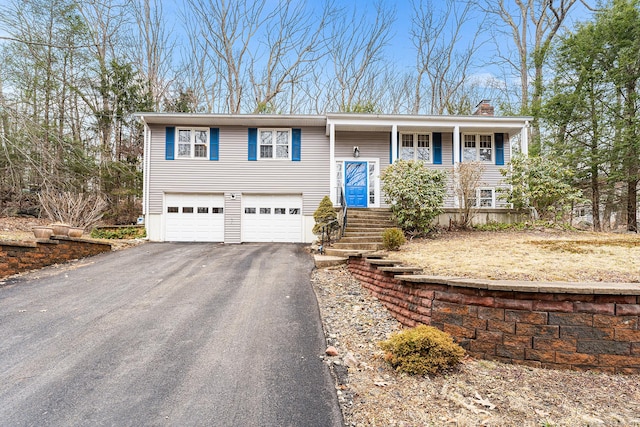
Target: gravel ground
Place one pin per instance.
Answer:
(477, 393)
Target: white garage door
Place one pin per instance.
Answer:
(271, 218)
(194, 217)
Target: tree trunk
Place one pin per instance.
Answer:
(632, 201)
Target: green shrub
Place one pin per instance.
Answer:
(118, 233)
(392, 239)
(415, 194)
(543, 184)
(323, 215)
(501, 226)
(421, 350)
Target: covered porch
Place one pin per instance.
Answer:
(361, 146)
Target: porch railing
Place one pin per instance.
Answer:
(343, 203)
(328, 227)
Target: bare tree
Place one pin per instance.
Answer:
(468, 177)
(293, 45)
(357, 56)
(105, 20)
(154, 47)
(256, 52)
(531, 26)
(443, 58)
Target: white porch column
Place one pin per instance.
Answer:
(524, 139)
(456, 144)
(332, 164)
(456, 160)
(394, 143)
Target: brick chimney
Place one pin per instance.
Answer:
(484, 108)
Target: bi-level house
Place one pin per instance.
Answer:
(259, 178)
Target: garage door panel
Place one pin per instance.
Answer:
(194, 218)
(272, 218)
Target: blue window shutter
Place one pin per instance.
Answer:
(214, 143)
(253, 144)
(461, 147)
(437, 148)
(170, 143)
(499, 141)
(296, 137)
(390, 147)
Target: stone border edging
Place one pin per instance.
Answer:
(508, 285)
(19, 256)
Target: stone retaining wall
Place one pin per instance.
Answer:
(16, 257)
(550, 325)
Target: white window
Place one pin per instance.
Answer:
(415, 146)
(485, 198)
(477, 147)
(192, 143)
(274, 143)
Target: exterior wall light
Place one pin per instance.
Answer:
(356, 151)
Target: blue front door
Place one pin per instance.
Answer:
(355, 179)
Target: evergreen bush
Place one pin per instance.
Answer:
(392, 239)
(415, 194)
(324, 214)
(421, 350)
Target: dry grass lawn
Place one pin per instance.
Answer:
(528, 255)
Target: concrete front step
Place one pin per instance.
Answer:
(351, 229)
(372, 235)
(401, 269)
(346, 252)
(383, 261)
(324, 261)
(362, 224)
(374, 238)
(370, 217)
(357, 246)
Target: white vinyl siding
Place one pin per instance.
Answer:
(234, 174)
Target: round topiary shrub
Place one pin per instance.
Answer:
(392, 239)
(421, 350)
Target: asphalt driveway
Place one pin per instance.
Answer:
(167, 335)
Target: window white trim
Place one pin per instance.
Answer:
(415, 146)
(274, 143)
(201, 146)
(484, 200)
(479, 142)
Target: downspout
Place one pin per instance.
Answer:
(147, 163)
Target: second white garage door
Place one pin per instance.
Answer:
(271, 218)
(194, 218)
